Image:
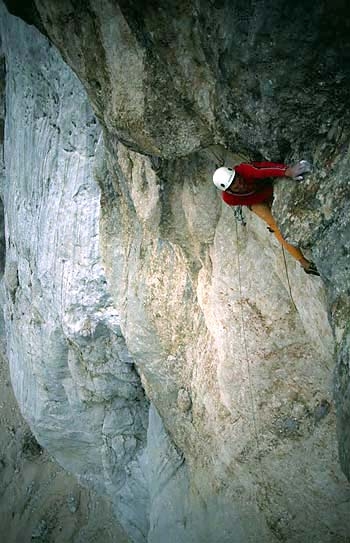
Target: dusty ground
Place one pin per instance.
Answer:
(39, 501)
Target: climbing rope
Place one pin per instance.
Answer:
(240, 218)
(260, 473)
(245, 345)
(288, 281)
(263, 483)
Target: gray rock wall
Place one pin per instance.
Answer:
(40, 501)
(72, 373)
(120, 261)
(258, 76)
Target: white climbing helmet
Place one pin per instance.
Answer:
(223, 177)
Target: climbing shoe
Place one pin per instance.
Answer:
(312, 270)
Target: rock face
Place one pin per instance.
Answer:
(72, 373)
(164, 353)
(39, 500)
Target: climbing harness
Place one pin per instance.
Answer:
(238, 213)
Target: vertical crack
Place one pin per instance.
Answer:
(2, 165)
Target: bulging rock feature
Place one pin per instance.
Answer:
(171, 357)
(171, 78)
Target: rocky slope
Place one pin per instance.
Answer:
(169, 356)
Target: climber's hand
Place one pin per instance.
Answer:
(298, 169)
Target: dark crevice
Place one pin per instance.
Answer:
(2, 239)
(26, 11)
(2, 137)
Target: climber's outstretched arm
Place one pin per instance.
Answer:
(263, 171)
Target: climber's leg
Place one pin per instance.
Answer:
(263, 211)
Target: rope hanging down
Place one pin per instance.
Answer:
(244, 340)
(287, 275)
(263, 485)
(240, 218)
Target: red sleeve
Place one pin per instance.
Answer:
(264, 170)
(268, 164)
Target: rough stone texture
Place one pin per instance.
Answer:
(233, 347)
(71, 371)
(171, 77)
(185, 328)
(316, 215)
(39, 501)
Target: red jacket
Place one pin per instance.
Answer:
(249, 189)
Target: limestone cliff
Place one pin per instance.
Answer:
(164, 353)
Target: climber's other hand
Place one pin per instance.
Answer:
(298, 169)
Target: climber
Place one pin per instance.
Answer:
(250, 184)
